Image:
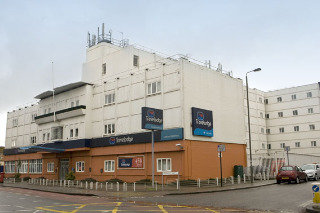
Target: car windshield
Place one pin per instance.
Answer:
(308, 167)
(286, 168)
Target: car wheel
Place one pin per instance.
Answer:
(297, 180)
(306, 180)
(316, 177)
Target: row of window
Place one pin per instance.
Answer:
(296, 144)
(35, 166)
(135, 64)
(293, 97)
(280, 114)
(295, 129)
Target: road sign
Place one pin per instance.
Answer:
(152, 118)
(221, 148)
(287, 148)
(315, 188)
(219, 155)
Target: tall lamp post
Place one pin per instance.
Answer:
(249, 128)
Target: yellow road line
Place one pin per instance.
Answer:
(211, 210)
(77, 209)
(162, 209)
(115, 210)
(51, 210)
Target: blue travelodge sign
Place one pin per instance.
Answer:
(152, 118)
(202, 123)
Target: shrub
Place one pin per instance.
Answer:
(26, 178)
(89, 180)
(114, 180)
(70, 176)
(17, 176)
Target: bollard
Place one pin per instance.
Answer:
(46, 182)
(260, 176)
(64, 183)
(134, 186)
(209, 181)
(244, 178)
(118, 186)
(264, 175)
(53, 182)
(316, 197)
(199, 183)
(124, 186)
(68, 183)
(91, 185)
(225, 180)
(101, 185)
(178, 184)
(239, 179)
(106, 186)
(217, 179)
(97, 183)
(86, 184)
(60, 183)
(156, 186)
(268, 175)
(81, 184)
(111, 186)
(14, 180)
(232, 179)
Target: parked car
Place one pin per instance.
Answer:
(1, 174)
(312, 171)
(291, 173)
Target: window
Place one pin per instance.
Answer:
(313, 143)
(15, 122)
(9, 166)
(76, 134)
(23, 167)
(44, 137)
(281, 129)
(263, 146)
(33, 117)
(282, 145)
(296, 128)
(135, 60)
(280, 114)
(77, 102)
(109, 99)
(50, 167)
(260, 99)
(269, 146)
(57, 133)
(71, 133)
(295, 112)
(309, 94)
(297, 144)
(72, 104)
(49, 110)
(109, 129)
(154, 87)
(268, 131)
(48, 136)
(104, 69)
(45, 111)
(279, 99)
(13, 143)
(262, 130)
(310, 110)
(266, 101)
(267, 116)
(33, 139)
(312, 127)
(35, 166)
(294, 97)
(80, 166)
(261, 115)
(163, 164)
(109, 166)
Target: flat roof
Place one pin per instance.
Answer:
(61, 89)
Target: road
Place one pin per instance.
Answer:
(23, 200)
(273, 198)
(277, 198)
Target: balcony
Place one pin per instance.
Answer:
(61, 114)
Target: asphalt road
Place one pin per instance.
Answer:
(24, 200)
(277, 198)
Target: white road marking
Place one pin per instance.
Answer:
(305, 204)
(22, 198)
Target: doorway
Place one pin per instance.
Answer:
(64, 168)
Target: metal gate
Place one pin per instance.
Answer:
(64, 168)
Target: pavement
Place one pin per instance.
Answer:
(142, 191)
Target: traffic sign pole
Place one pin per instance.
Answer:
(221, 168)
(152, 156)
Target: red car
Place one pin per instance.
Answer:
(291, 173)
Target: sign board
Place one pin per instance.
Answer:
(131, 162)
(170, 173)
(202, 122)
(152, 118)
(172, 134)
(221, 148)
(219, 155)
(287, 148)
(315, 188)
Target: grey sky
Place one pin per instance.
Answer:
(281, 37)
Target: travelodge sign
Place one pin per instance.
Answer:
(152, 118)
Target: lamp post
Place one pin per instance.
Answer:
(249, 128)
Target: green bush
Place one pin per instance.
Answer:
(89, 180)
(114, 180)
(26, 178)
(70, 176)
(17, 176)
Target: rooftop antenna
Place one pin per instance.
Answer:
(102, 31)
(219, 67)
(93, 40)
(209, 64)
(110, 32)
(98, 35)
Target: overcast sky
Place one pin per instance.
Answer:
(281, 37)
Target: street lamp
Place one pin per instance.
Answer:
(249, 129)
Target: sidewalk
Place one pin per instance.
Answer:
(148, 192)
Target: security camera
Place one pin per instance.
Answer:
(178, 144)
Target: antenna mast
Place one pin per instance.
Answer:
(53, 104)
